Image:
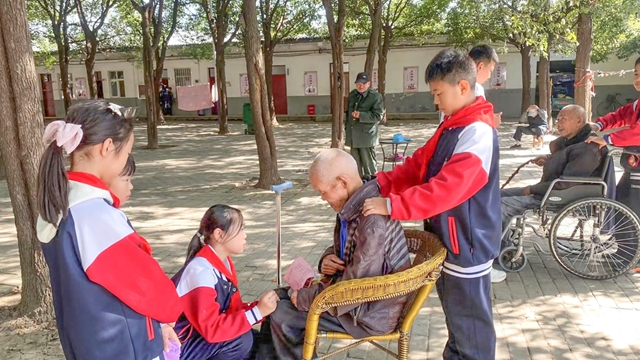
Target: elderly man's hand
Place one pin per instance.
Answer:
(294, 298)
(356, 114)
(597, 140)
(540, 160)
(373, 206)
(526, 191)
(331, 264)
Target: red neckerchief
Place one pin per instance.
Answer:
(213, 258)
(94, 181)
(480, 111)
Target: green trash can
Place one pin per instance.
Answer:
(247, 118)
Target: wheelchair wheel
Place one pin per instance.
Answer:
(508, 261)
(595, 238)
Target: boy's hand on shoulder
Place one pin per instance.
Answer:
(373, 206)
(597, 140)
(267, 303)
(497, 119)
(169, 335)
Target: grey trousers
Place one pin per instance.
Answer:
(286, 329)
(515, 203)
(366, 159)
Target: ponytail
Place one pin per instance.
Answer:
(223, 217)
(195, 245)
(53, 199)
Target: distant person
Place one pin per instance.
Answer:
(364, 113)
(537, 126)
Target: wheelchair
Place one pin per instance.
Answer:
(589, 235)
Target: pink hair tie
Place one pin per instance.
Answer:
(66, 135)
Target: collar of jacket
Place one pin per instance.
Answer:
(208, 253)
(581, 136)
(353, 207)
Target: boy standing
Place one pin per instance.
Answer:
(486, 60)
(452, 182)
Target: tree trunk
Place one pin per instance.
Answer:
(152, 102)
(21, 148)
(268, 73)
(62, 43)
(583, 62)
(89, 63)
(544, 84)
(376, 27)
(221, 82)
(383, 53)
(525, 54)
(337, 51)
(265, 141)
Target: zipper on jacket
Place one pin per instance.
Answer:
(453, 236)
(150, 329)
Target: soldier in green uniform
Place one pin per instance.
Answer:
(363, 116)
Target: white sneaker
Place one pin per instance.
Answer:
(497, 275)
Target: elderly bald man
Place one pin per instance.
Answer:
(363, 246)
(570, 156)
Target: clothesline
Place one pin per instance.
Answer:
(589, 75)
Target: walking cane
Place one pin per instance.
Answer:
(278, 189)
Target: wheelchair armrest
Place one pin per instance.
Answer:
(580, 179)
(575, 180)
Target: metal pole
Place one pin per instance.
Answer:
(279, 237)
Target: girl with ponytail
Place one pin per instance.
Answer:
(110, 296)
(216, 324)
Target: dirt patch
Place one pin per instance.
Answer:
(21, 338)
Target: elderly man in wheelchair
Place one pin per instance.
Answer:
(590, 235)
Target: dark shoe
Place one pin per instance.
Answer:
(516, 146)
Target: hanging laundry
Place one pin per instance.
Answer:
(194, 98)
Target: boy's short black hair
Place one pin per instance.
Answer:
(484, 54)
(129, 167)
(637, 62)
(451, 66)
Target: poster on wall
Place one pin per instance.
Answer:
(310, 83)
(374, 79)
(410, 79)
(499, 76)
(244, 85)
(81, 88)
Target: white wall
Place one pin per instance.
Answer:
(298, 58)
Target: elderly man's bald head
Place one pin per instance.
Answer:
(334, 174)
(571, 120)
(576, 111)
(332, 163)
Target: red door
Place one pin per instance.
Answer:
(279, 86)
(99, 85)
(49, 105)
(212, 81)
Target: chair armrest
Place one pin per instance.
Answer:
(572, 179)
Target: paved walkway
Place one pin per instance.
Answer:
(540, 313)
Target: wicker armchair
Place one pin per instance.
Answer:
(416, 281)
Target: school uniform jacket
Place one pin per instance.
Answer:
(208, 290)
(109, 294)
(453, 182)
(628, 115)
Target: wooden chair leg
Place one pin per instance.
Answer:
(403, 346)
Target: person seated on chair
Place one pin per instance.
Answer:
(570, 155)
(537, 126)
(363, 247)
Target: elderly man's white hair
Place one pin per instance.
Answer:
(332, 163)
(578, 111)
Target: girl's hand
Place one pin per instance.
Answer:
(267, 303)
(294, 298)
(597, 140)
(375, 206)
(168, 335)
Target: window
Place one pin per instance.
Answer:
(183, 77)
(116, 80)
